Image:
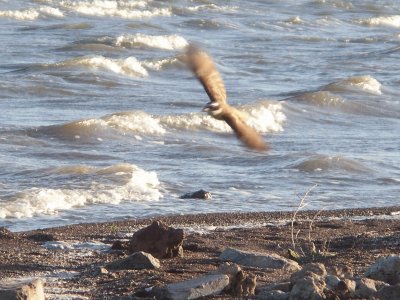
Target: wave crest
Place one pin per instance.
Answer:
(167, 42)
(365, 83)
(32, 14)
(109, 185)
(321, 163)
(390, 21)
(264, 117)
(129, 66)
(121, 9)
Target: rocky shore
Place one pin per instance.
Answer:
(342, 254)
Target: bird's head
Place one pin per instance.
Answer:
(213, 108)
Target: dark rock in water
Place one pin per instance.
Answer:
(200, 194)
(159, 240)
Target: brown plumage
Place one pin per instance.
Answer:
(203, 67)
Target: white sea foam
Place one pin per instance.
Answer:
(110, 185)
(122, 9)
(391, 21)
(129, 66)
(167, 42)
(158, 65)
(212, 7)
(137, 121)
(366, 83)
(32, 13)
(264, 117)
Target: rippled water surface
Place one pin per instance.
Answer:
(101, 121)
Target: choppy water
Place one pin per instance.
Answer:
(100, 121)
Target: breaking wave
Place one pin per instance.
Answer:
(366, 84)
(391, 21)
(101, 8)
(108, 185)
(264, 117)
(321, 163)
(136, 122)
(111, 8)
(32, 13)
(167, 42)
(129, 66)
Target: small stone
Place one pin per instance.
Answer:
(211, 284)
(386, 269)
(258, 260)
(136, 261)
(314, 268)
(26, 290)
(100, 271)
(332, 281)
(310, 287)
(244, 284)
(365, 287)
(343, 271)
(227, 268)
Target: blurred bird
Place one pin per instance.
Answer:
(204, 69)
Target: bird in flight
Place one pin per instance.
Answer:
(204, 69)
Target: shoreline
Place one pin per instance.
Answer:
(356, 237)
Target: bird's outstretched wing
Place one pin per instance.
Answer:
(244, 132)
(203, 67)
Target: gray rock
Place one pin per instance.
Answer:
(365, 287)
(273, 295)
(388, 292)
(136, 261)
(350, 284)
(259, 260)
(240, 283)
(308, 288)
(308, 269)
(25, 290)
(211, 284)
(332, 281)
(386, 269)
(227, 268)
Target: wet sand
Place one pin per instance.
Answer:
(352, 238)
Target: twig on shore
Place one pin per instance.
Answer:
(301, 205)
